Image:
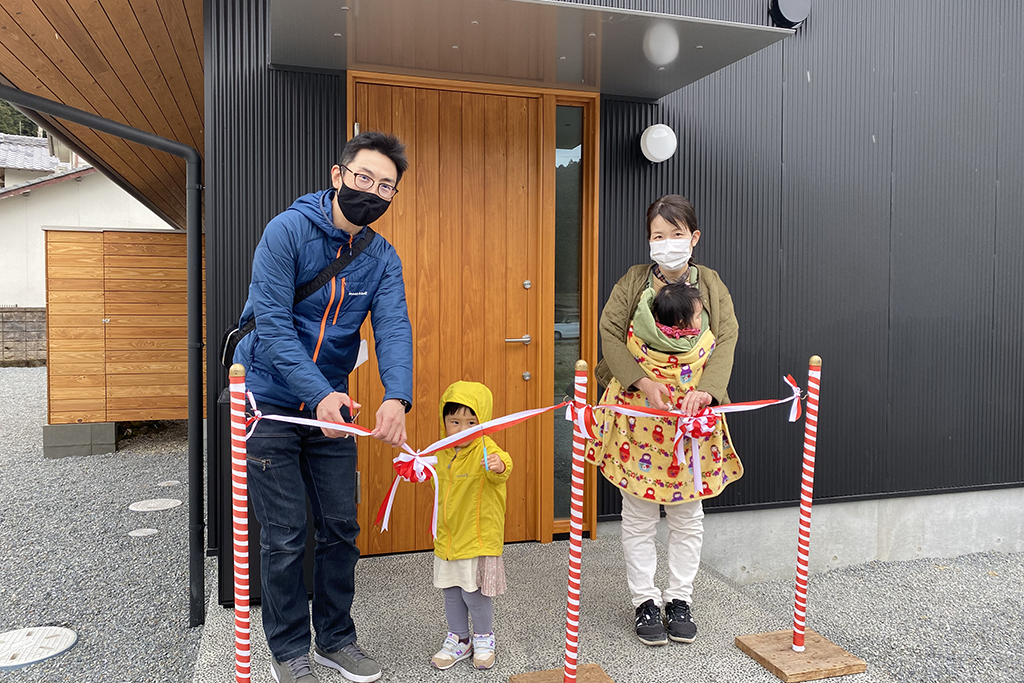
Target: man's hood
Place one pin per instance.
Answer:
(318, 208)
(473, 395)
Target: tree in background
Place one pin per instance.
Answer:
(13, 122)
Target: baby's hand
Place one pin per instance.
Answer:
(493, 463)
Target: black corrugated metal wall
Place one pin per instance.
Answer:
(859, 188)
(271, 136)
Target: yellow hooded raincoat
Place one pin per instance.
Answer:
(471, 518)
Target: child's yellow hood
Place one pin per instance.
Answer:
(473, 395)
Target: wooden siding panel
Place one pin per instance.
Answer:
(78, 417)
(75, 368)
(84, 308)
(146, 261)
(74, 288)
(147, 414)
(58, 368)
(76, 273)
(117, 350)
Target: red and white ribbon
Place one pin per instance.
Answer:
(346, 427)
(422, 461)
(695, 426)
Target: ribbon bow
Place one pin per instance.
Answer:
(582, 416)
(696, 426)
(410, 466)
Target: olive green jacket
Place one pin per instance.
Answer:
(617, 315)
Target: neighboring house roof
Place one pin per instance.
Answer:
(45, 180)
(27, 153)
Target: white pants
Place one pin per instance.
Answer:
(685, 534)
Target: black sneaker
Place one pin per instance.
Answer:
(680, 623)
(649, 628)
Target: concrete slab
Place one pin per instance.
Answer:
(96, 438)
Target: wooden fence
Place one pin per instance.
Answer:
(117, 328)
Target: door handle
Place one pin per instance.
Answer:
(525, 339)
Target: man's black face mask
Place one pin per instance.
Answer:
(361, 208)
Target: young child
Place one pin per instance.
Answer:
(677, 317)
(470, 528)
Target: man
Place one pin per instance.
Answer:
(297, 362)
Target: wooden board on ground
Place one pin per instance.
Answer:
(821, 657)
(588, 673)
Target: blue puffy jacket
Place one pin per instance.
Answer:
(297, 355)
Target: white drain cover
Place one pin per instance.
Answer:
(139, 533)
(169, 482)
(154, 504)
(30, 645)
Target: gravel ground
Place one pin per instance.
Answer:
(955, 619)
(67, 559)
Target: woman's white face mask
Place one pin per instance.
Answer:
(671, 254)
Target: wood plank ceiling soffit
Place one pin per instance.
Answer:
(137, 62)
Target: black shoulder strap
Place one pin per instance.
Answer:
(337, 265)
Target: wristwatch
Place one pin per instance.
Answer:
(405, 404)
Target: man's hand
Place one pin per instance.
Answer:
(693, 401)
(329, 410)
(657, 393)
(391, 423)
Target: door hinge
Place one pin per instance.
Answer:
(355, 129)
(359, 491)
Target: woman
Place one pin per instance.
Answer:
(635, 453)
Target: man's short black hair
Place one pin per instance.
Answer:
(388, 145)
(452, 407)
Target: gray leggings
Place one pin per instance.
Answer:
(458, 605)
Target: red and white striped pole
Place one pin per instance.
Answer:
(806, 498)
(240, 523)
(572, 608)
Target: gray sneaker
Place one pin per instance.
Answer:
(351, 661)
(293, 671)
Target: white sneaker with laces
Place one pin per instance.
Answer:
(451, 652)
(483, 650)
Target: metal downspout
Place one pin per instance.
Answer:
(194, 250)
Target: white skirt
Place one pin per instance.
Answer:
(486, 573)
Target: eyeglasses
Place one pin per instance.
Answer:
(365, 183)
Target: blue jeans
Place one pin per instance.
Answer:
(287, 462)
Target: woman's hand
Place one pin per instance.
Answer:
(694, 401)
(657, 394)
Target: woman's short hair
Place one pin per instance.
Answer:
(675, 303)
(674, 208)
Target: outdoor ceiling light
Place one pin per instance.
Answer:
(658, 142)
(661, 44)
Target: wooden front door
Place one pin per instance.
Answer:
(467, 224)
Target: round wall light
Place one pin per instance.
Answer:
(789, 13)
(658, 142)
